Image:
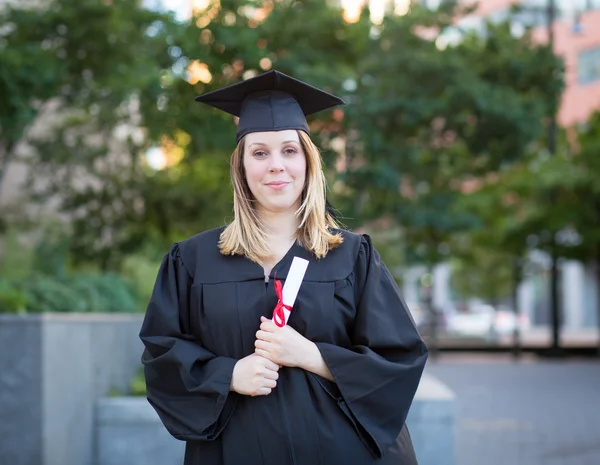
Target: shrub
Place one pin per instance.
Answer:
(12, 300)
(81, 293)
(36, 276)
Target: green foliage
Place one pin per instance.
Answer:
(141, 272)
(483, 272)
(421, 123)
(549, 202)
(36, 278)
(428, 120)
(50, 57)
(72, 294)
(12, 300)
(389, 242)
(138, 384)
(17, 255)
(114, 200)
(93, 76)
(520, 84)
(584, 194)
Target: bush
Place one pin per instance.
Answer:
(12, 300)
(141, 271)
(36, 277)
(82, 293)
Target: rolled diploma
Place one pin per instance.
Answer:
(292, 284)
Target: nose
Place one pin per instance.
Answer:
(276, 163)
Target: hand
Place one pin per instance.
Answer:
(254, 376)
(283, 346)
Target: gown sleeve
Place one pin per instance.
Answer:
(187, 385)
(379, 373)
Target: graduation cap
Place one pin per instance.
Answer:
(271, 101)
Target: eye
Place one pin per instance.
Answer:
(290, 151)
(260, 154)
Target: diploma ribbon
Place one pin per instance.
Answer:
(278, 314)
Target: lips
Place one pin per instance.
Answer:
(277, 185)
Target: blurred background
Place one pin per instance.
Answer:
(468, 149)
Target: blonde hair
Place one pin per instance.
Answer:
(246, 235)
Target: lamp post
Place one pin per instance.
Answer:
(555, 349)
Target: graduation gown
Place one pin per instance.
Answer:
(203, 317)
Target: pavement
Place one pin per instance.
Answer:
(538, 337)
(530, 412)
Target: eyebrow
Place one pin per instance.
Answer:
(284, 142)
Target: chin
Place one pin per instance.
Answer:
(279, 207)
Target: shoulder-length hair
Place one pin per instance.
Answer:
(246, 235)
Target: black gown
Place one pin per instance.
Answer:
(203, 317)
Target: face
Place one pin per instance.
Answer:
(275, 166)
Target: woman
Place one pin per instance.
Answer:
(335, 384)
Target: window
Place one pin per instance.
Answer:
(588, 66)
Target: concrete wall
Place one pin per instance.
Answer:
(21, 404)
(53, 368)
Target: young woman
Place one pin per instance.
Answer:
(334, 385)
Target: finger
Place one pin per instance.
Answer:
(270, 365)
(270, 374)
(268, 326)
(263, 319)
(264, 335)
(270, 383)
(264, 345)
(263, 391)
(264, 354)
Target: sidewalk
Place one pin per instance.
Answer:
(523, 413)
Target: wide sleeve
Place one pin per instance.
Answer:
(188, 386)
(379, 374)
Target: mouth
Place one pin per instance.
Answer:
(277, 185)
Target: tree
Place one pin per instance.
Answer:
(560, 199)
(88, 108)
(428, 121)
(50, 56)
(547, 202)
(587, 194)
(92, 160)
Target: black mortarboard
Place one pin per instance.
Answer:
(270, 101)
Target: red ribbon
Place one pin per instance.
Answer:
(278, 313)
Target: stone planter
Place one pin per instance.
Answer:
(431, 422)
(129, 432)
(53, 369)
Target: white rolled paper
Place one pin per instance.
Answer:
(292, 283)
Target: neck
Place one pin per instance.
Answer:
(282, 226)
